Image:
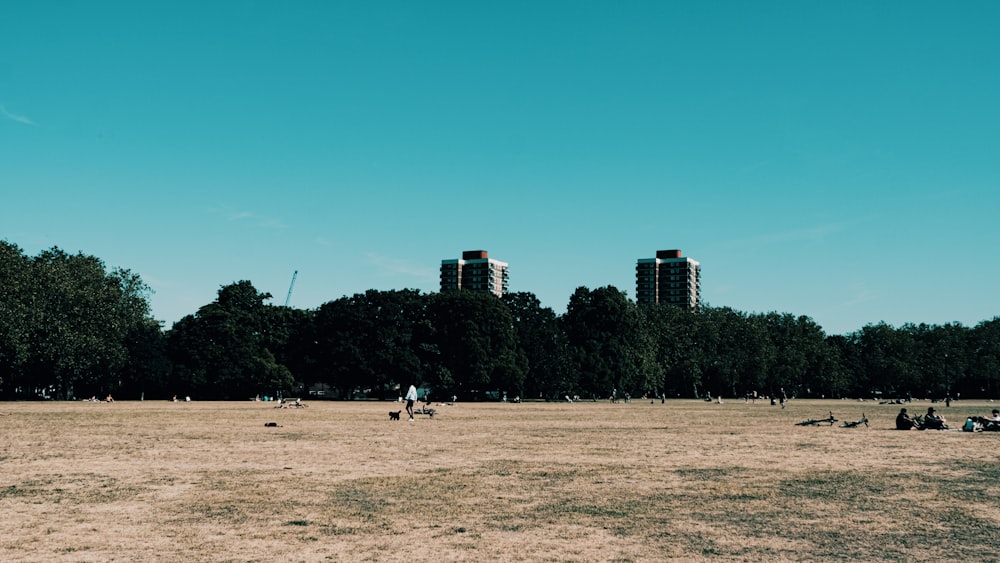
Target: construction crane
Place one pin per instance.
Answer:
(290, 287)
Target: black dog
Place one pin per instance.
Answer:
(394, 415)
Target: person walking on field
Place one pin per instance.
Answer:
(411, 396)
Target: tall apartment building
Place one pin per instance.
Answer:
(476, 271)
(668, 278)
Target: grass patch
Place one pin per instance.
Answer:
(487, 482)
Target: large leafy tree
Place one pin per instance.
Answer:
(396, 338)
(374, 341)
(756, 353)
(222, 352)
(844, 364)
(281, 334)
(671, 330)
(543, 345)
(15, 316)
(292, 337)
(67, 321)
(477, 345)
(940, 361)
(735, 350)
(888, 360)
(339, 357)
(984, 349)
(603, 328)
(146, 372)
(800, 352)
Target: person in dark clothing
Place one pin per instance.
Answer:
(934, 422)
(904, 422)
(991, 423)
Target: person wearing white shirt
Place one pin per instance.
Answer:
(411, 396)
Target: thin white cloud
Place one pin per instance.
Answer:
(861, 295)
(809, 233)
(395, 266)
(239, 215)
(258, 220)
(271, 223)
(15, 117)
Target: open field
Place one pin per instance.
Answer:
(685, 480)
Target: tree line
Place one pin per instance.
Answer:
(69, 328)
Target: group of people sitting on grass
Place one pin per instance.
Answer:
(290, 404)
(94, 399)
(934, 421)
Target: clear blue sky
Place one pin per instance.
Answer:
(839, 160)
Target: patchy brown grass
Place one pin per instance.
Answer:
(690, 481)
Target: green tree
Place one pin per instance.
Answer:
(298, 349)
(543, 345)
(840, 375)
(940, 362)
(671, 330)
(222, 351)
(475, 336)
(15, 317)
(738, 352)
(757, 353)
(282, 336)
(73, 321)
(603, 329)
(984, 348)
(340, 360)
(147, 370)
(373, 341)
(800, 353)
(889, 362)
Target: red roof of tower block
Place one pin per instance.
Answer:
(668, 254)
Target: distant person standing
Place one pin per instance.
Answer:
(411, 396)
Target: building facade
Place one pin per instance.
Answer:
(669, 278)
(475, 271)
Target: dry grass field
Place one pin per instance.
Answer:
(684, 481)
